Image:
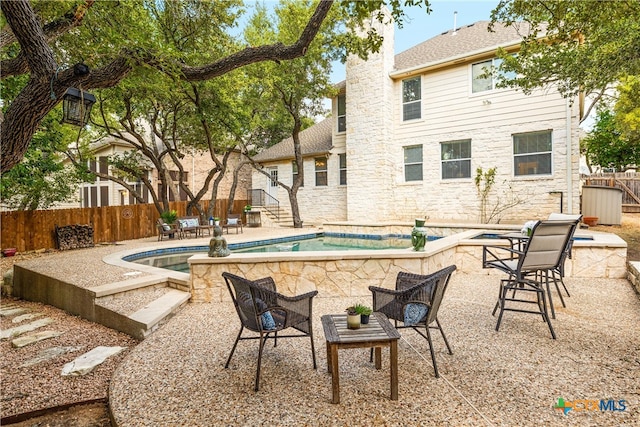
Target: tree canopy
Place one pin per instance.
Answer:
(582, 46)
(44, 40)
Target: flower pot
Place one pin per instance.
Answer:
(353, 321)
(364, 319)
(591, 221)
(9, 252)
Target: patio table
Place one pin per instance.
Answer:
(378, 333)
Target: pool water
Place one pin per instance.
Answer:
(176, 258)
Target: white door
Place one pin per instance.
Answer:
(272, 184)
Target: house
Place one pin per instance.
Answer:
(408, 133)
(103, 192)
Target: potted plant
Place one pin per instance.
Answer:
(169, 216)
(353, 318)
(247, 208)
(217, 221)
(364, 313)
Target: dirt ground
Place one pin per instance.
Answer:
(96, 414)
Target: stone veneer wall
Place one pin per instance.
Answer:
(350, 273)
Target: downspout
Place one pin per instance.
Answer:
(569, 158)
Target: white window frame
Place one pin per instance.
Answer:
(417, 100)
(449, 157)
(413, 163)
(342, 118)
(519, 165)
(342, 169)
(492, 63)
(321, 172)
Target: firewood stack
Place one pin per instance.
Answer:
(74, 236)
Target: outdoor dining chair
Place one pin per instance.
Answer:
(558, 272)
(529, 269)
(415, 303)
(262, 310)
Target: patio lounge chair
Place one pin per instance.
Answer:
(415, 302)
(164, 229)
(529, 269)
(233, 220)
(262, 310)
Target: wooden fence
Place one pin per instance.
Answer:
(32, 230)
(629, 183)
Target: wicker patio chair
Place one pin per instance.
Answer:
(262, 310)
(415, 302)
(528, 270)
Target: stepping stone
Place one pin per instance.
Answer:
(6, 312)
(85, 363)
(48, 354)
(30, 339)
(23, 329)
(24, 317)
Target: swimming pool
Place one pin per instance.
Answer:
(176, 258)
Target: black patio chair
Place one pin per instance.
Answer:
(415, 303)
(529, 269)
(262, 310)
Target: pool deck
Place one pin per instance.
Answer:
(176, 376)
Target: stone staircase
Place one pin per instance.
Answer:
(284, 218)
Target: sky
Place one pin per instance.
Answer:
(420, 26)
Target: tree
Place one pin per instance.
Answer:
(121, 41)
(605, 145)
(298, 87)
(41, 180)
(627, 109)
(588, 45)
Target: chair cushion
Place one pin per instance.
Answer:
(166, 226)
(414, 313)
(232, 221)
(192, 222)
(267, 321)
(182, 223)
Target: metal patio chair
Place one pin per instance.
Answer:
(529, 269)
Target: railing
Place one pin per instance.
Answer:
(259, 197)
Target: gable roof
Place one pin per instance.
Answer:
(313, 140)
(467, 40)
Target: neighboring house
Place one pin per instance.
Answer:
(103, 192)
(408, 132)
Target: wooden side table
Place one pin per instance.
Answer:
(378, 333)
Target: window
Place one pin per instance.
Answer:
(342, 113)
(456, 159)
(321, 171)
(532, 153)
(413, 163)
(411, 96)
(294, 172)
(274, 177)
(481, 84)
(343, 168)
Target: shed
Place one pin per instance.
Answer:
(602, 202)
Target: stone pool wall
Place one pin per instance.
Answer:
(350, 273)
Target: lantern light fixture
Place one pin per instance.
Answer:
(76, 106)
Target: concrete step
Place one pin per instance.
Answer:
(141, 311)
